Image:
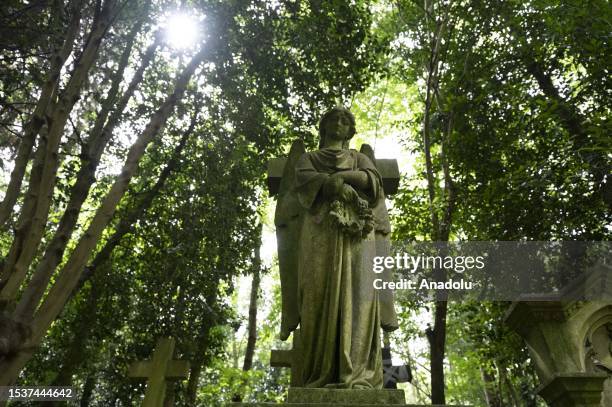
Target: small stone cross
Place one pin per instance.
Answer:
(290, 358)
(158, 370)
(394, 374)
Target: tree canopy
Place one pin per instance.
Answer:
(133, 173)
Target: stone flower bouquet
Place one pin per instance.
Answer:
(352, 214)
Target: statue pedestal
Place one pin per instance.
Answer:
(307, 397)
(383, 397)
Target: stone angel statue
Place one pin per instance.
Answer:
(331, 221)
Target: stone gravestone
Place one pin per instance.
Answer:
(157, 371)
(570, 340)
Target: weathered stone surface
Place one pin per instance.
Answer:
(388, 168)
(607, 393)
(556, 333)
(291, 358)
(570, 342)
(329, 214)
(158, 371)
(309, 397)
(569, 390)
(336, 405)
(348, 396)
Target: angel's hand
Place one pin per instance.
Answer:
(333, 187)
(348, 193)
(357, 178)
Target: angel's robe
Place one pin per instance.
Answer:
(338, 304)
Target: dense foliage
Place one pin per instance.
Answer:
(502, 109)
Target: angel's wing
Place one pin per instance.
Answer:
(382, 229)
(288, 222)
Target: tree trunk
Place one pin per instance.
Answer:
(192, 384)
(252, 329)
(436, 335)
(252, 324)
(200, 359)
(81, 329)
(70, 273)
(92, 151)
(34, 125)
(35, 211)
(88, 387)
(490, 388)
(129, 219)
(437, 342)
(572, 121)
(82, 326)
(441, 219)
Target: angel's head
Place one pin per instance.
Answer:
(337, 127)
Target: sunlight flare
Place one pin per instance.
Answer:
(182, 30)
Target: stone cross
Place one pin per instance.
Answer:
(393, 374)
(289, 358)
(388, 169)
(158, 370)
